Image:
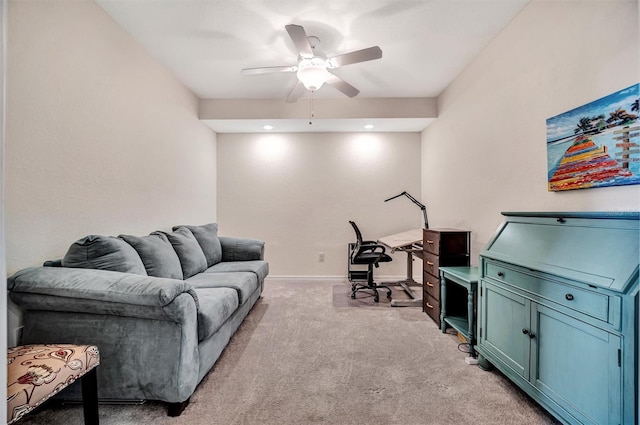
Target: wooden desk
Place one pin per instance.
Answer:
(466, 277)
(411, 243)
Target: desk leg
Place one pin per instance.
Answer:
(414, 301)
(443, 303)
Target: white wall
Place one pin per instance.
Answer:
(486, 152)
(3, 287)
(101, 138)
(297, 191)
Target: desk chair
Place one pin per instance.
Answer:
(370, 253)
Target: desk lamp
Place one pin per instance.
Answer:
(415, 201)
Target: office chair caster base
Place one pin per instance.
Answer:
(372, 288)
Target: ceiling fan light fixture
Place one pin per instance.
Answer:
(313, 67)
(312, 72)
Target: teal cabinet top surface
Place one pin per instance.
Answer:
(596, 248)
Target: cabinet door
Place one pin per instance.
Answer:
(576, 365)
(503, 316)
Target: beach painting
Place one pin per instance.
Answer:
(596, 144)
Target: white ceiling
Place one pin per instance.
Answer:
(425, 43)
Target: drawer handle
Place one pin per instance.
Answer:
(429, 284)
(569, 297)
(500, 274)
(526, 332)
(429, 242)
(430, 306)
(429, 263)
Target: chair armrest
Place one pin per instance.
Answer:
(239, 249)
(99, 292)
(372, 248)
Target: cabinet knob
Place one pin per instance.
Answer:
(569, 297)
(500, 274)
(429, 284)
(429, 306)
(526, 332)
(429, 263)
(429, 242)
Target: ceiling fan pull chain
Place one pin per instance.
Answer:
(311, 112)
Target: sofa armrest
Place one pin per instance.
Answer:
(239, 249)
(99, 292)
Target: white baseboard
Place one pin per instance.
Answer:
(329, 278)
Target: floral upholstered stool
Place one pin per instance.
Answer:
(37, 372)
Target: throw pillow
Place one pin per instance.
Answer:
(207, 237)
(189, 252)
(157, 254)
(103, 253)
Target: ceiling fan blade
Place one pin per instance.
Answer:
(363, 55)
(342, 85)
(269, 69)
(297, 91)
(299, 37)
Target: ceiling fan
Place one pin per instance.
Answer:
(313, 67)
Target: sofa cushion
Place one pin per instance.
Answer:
(190, 254)
(259, 267)
(103, 253)
(216, 306)
(244, 283)
(207, 237)
(157, 254)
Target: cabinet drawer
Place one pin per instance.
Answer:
(446, 241)
(431, 285)
(432, 308)
(431, 263)
(590, 303)
(431, 241)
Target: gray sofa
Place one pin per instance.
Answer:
(160, 308)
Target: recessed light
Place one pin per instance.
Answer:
(368, 126)
(268, 127)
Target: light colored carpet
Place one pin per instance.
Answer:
(300, 357)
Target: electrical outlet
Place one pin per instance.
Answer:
(321, 257)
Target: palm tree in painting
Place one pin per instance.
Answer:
(591, 125)
(617, 115)
(599, 122)
(584, 126)
(620, 117)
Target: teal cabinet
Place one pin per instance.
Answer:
(503, 315)
(586, 352)
(565, 330)
(539, 347)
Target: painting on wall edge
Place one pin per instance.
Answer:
(596, 144)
